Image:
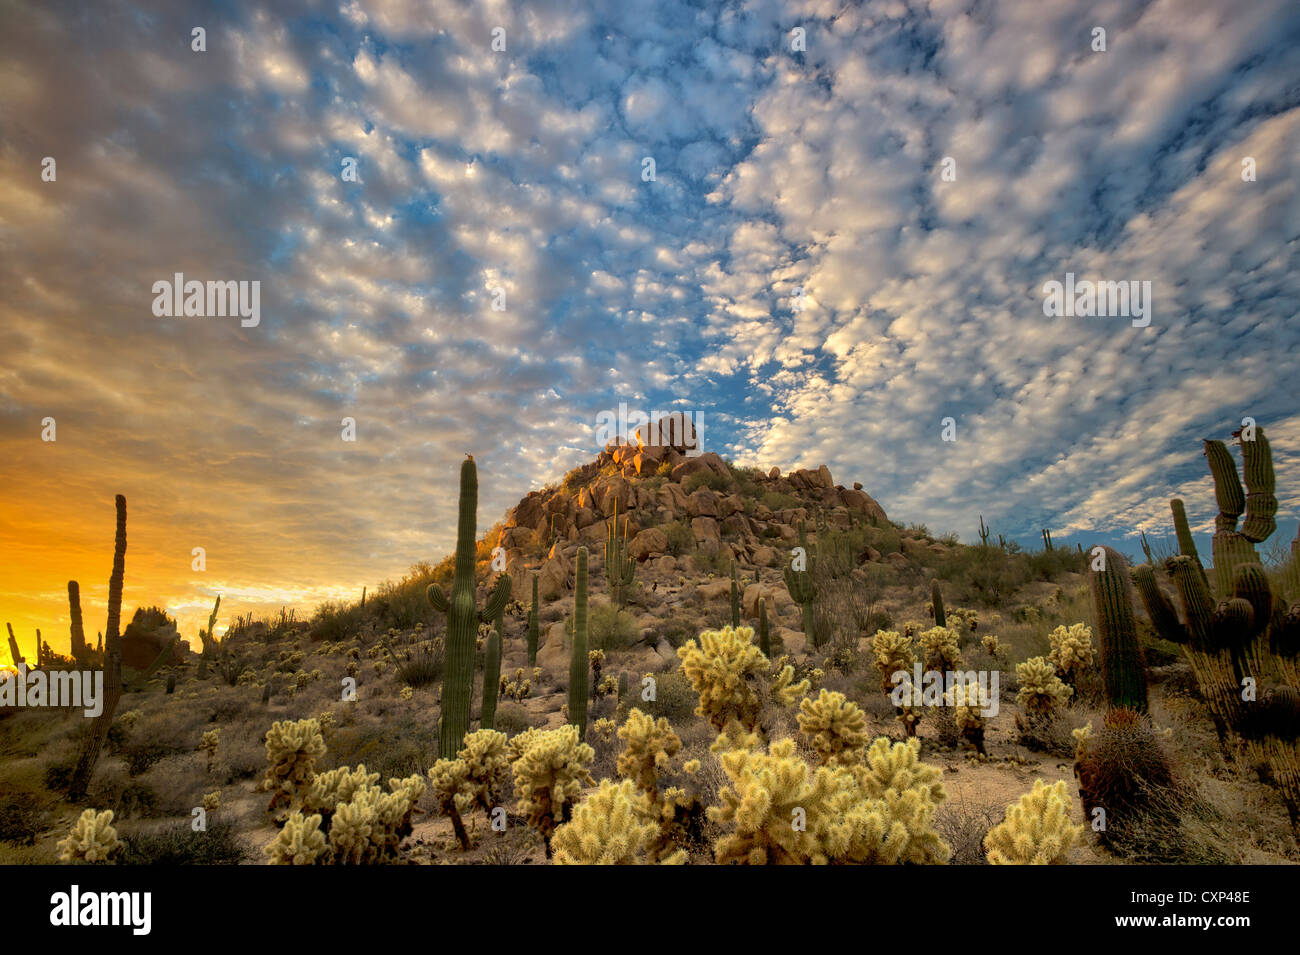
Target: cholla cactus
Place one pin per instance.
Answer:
(893, 653)
(729, 673)
(968, 704)
(835, 726)
(300, 842)
(1041, 690)
(292, 750)
(605, 729)
(212, 801)
(208, 746)
(879, 811)
(452, 793)
(487, 764)
(516, 688)
(610, 827)
(326, 790)
(92, 839)
(407, 693)
(993, 646)
(1072, 651)
(369, 829)
(774, 806)
(549, 776)
(649, 746)
(885, 813)
(963, 620)
(1036, 831)
(941, 649)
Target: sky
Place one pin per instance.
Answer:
(853, 213)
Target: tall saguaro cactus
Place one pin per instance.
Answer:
(14, 651)
(936, 602)
(534, 625)
(112, 662)
(1122, 666)
(579, 663)
(1230, 547)
(735, 598)
(492, 673)
(463, 619)
(619, 567)
(764, 637)
(802, 586)
(74, 614)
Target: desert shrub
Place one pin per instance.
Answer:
(681, 539)
(391, 750)
(178, 844)
(779, 501)
(678, 628)
(964, 828)
(717, 563)
(336, 621)
(511, 718)
(404, 604)
(714, 482)
(420, 664)
(140, 756)
(21, 818)
(609, 628)
(675, 699)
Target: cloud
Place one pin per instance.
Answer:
(521, 169)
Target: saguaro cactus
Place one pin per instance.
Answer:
(619, 567)
(764, 638)
(580, 661)
(735, 597)
(74, 614)
(803, 587)
(209, 636)
(112, 662)
(1122, 666)
(463, 619)
(936, 601)
(14, 651)
(1229, 547)
(492, 673)
(534, 624)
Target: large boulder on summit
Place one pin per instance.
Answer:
(675, 431)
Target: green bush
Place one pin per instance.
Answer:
(778, 501)
(714, 482)
(609, 628)
(21, 818)
(337, 621)
(680, 538)
(178, 844)
(420, 664)
(675, 698)
(511, 718)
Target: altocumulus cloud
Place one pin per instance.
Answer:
(521, 170)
